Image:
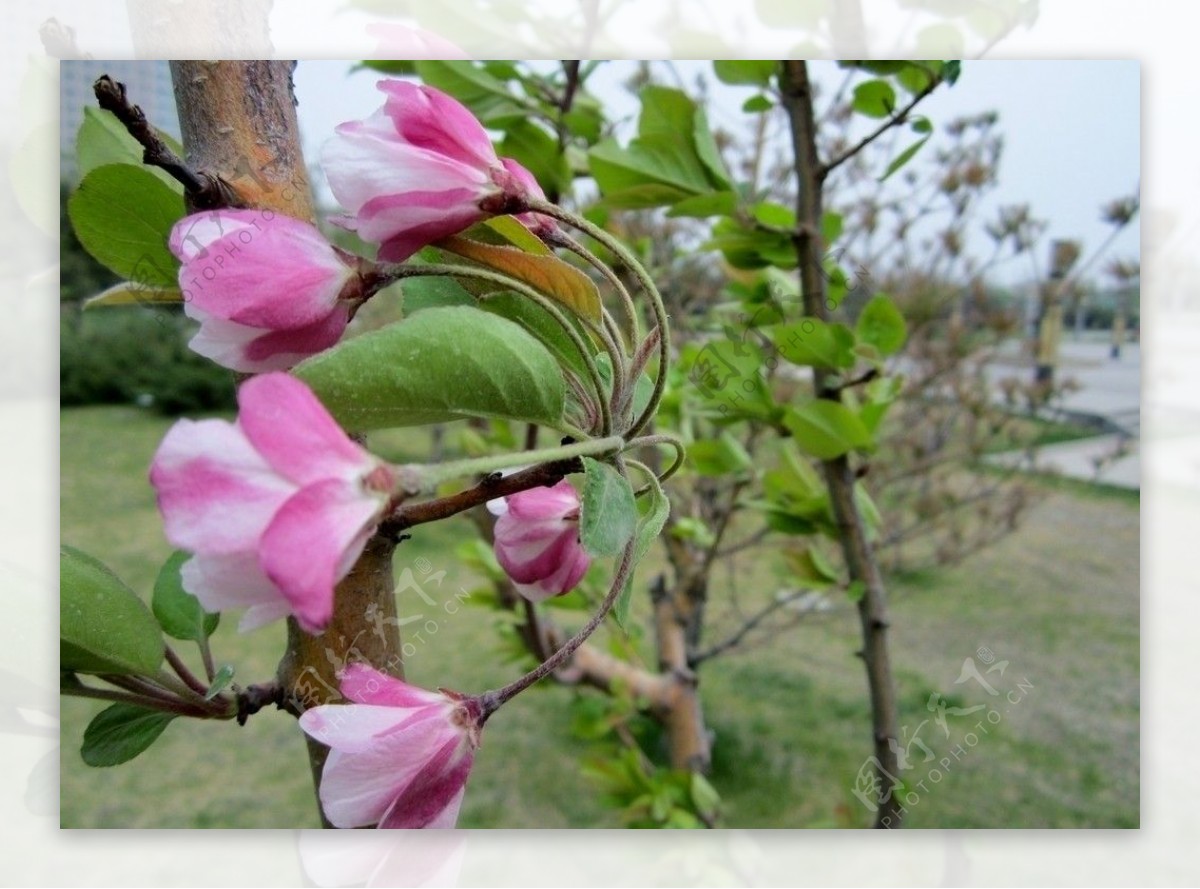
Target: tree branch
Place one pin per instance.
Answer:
(823, 170)
(839, 476)
(205, 191)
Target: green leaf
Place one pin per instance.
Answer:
(813, 343)
(745, 72)
(903, 158)
(179, 613)
(915, 77)
(831, 227)
(774, 215)
(433, 292)
(874, 98)
(719, 456)
(757, 104)
(856, 590)
(717, 203)
(826, 429)
(129, 294)
(102, 140)
(223, 678)
(672, 158)
(649, 526)
(880, 394)
(537, 321)
(881, 325)
(119, 733)
(123, 216)
(104, 627)
(438, 365)
(810, 567)
(546, 274)
(608, 514)
(704, 796)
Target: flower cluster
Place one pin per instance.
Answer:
(277, 506)
(269, 290)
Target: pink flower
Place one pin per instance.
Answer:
(537, 541)
(276, 507)
(418, 170)
(264, 287)
(400, 755)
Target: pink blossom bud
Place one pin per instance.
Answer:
(276, 508)
(399, 755)
(537, 541)
(264, 287)
(418, 170)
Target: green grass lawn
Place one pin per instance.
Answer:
(1058, 601)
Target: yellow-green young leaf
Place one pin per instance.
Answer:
(812, 342)
(506, 230)
(874, 98)
(547, 274)
(122, 216)
(810, 567)
(103, 626)
(439, 365)
(826, 429)
(120, 732)
(881, 325)
(129, 294)
(608, 513)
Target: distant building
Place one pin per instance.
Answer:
(148, 84)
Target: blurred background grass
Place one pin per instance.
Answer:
(1058, 600)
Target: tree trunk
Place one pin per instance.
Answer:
(239, 122)
(839, 476)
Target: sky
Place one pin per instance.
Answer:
(1072, 129)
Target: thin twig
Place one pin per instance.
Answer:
(207, 192)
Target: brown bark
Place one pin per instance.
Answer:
(682, 716)
(239, 123)
(839, 475)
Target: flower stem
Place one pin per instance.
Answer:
(435, 475)
(662, 439)
(656, 303)
(491, 701)
(561, 239)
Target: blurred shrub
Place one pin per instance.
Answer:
(137, 356)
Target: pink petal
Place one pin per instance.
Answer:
(434, 796)
(193, 236)
(313, 542)
(404, 223)
(544, 503)
(366, 685)
(292, 430)
(225, 583)
(215, 492)
(365, 159)
(252, 350)
(358, 788)
(529, 562)
(368, 728)
(564, 579)
(263, 270)
(430, 119)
